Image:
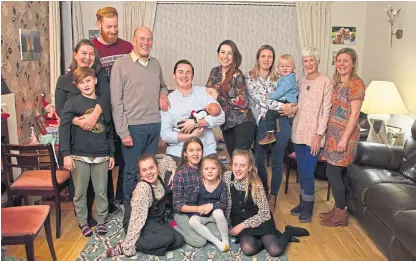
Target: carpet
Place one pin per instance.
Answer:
(4, 257)
(96, 246)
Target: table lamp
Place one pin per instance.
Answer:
(382, 99)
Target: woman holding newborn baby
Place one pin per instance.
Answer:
(227, 84)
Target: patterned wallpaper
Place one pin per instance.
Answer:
(26, 79)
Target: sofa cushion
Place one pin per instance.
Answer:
(395, 206)
(361, 177)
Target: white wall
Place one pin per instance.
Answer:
(395, 64)
(89, 9)
(349, 14)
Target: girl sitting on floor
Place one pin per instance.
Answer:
(211, 192)
(248, 211)
(185, 180)
(148, 229)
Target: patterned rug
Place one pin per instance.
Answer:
(96, 246)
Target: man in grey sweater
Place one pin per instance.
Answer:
(138, 91)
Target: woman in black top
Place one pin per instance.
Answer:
(85, 54)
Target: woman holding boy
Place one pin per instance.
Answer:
(87, 154)
(261, 81)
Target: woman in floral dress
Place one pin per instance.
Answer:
(343, 131)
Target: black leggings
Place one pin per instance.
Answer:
(239, 137)
(275, 245)
(335, 178)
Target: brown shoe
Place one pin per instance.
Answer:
(339, 218)
(268, 138)
(327, 215)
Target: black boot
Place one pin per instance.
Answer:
(298, 209)
(307, 212)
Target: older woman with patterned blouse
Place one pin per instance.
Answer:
(226, 83)
(261, 81)
(146, 222)
(343, 132)
(309, 127)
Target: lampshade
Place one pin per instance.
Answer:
(382, 97)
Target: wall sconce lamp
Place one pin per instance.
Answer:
(391, 17)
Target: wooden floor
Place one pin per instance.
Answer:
(324, 244)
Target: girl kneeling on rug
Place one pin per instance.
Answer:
(211, 198)
(249, 213)
(186, 179)
(148, 229)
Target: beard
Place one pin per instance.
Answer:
(108, 38)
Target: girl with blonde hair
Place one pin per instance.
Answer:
(248, 212)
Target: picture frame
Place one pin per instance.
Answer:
(393, 129)
(394, 135)
(344, 35)
(29, 44)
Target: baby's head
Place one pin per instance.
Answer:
(213, 109)
(286, 64)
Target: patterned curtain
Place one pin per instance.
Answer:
(54, 44)
(140, 13)
(77, 27)
(314, 25)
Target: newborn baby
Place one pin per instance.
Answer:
(212, 109)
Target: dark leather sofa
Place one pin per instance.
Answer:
(381, 189)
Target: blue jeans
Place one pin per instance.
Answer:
(278, 149)
(306, 169)
(145, 141)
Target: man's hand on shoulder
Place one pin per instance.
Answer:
(164, 102)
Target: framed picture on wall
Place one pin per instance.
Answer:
(29, 44)
(344, 35)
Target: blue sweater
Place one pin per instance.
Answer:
(286, 89)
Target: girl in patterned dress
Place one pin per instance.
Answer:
(248, 212)
(343, 131)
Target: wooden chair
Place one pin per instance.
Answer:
(39, 175)
(290, 161)
(21, 225)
